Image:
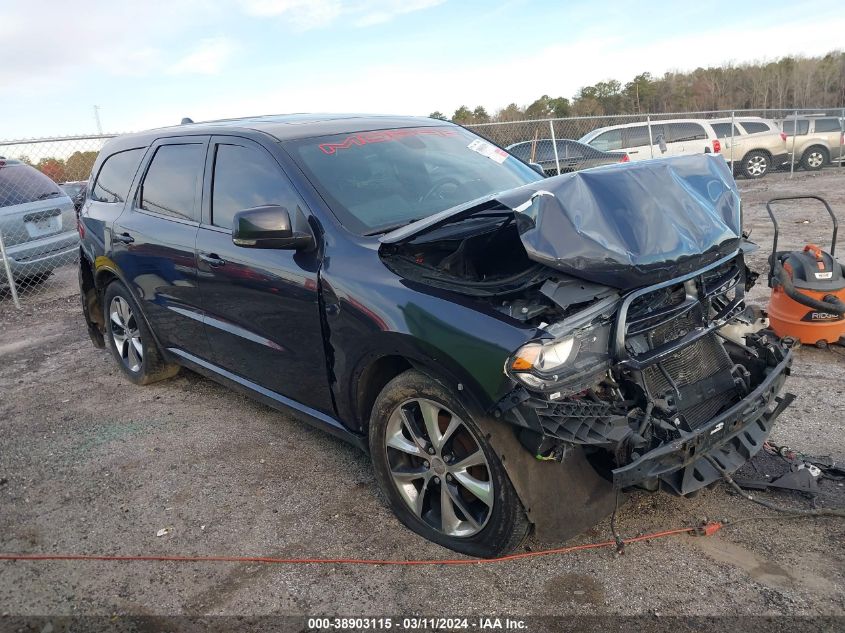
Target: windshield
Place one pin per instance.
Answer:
(20, 184)
(377, 181)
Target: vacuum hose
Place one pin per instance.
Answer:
(831, 303)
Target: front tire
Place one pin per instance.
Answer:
(756, 164)
(814, 158)
(130, 340)
(440, 475)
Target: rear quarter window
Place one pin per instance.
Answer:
(115, 177)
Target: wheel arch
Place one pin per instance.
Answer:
(104, 275)
(819, 147)
(377, 371)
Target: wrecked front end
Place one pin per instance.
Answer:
(646, 358)
(680, 384)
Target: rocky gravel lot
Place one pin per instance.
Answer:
(90, 463)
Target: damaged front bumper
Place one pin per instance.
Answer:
(731, 439)
(675, 392)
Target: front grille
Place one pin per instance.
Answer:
(657, 321)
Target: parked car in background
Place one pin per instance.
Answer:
(819, 141)
(511, 350)
(75, 191)
(756, 145)
(37, 222)
(676, 137)
(571, 155)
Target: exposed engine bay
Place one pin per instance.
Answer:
(651, 380)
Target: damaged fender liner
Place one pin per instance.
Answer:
(731, 439)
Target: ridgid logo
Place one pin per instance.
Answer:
(822, 316)
(382, 136)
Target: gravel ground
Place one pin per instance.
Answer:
(90, 463)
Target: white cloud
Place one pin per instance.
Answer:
(208, 58)
(312, 14)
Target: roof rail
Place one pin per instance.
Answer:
(186, 120)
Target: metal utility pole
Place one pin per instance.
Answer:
(97, 119)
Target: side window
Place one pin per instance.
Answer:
(612, 139)
(635, 136)
(678, 132)
(244, 178)
(753, 127)
(828, 125)
(115, 177)
(170, 186)
(803, 126)
(723, 130)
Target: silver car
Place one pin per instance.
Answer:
(37, 222)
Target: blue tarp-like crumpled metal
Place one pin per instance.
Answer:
(632, 224)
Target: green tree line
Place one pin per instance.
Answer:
(788, 82)
(77, 166)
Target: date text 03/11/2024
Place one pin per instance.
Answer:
(415, 624)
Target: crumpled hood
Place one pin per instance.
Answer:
(625, 226)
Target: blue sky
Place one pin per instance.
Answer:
(150, 63)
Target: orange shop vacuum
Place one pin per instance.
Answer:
(808, 289)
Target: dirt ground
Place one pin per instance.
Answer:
(90, 463)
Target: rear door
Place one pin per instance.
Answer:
(109, 192)
(154, 242)
(262, 308)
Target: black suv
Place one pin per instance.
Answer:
(511, 350)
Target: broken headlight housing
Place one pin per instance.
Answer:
(567, 364)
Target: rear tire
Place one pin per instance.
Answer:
(814, 158)
(451, 489)
(130, 340)
(756, 164)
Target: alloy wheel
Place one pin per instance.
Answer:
(439, 468)
(757, 165)
(815, 159)
(125, 333)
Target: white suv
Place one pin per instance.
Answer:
(675, 137)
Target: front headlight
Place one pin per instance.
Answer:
(564, 365)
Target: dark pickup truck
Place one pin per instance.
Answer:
(510, 350)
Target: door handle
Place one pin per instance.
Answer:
(636, 151)
(212, 259)
(124, 238)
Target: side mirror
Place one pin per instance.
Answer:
(268, 227)
(661, 143)
(538, 168)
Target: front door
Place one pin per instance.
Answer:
(261, 305)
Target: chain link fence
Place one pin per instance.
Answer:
(754, 142)
(42, 187)
(43, 181)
